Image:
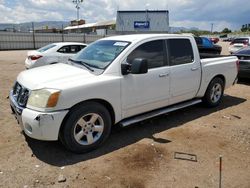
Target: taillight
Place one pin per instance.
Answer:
(238, 65)
(245, 43)
(35, 57)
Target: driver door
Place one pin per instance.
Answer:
(145, 92)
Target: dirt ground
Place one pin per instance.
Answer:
(138, 156)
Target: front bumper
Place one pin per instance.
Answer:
(38, 125)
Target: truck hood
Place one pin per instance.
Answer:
(53, 76)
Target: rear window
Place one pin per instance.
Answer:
(45, 48)
(240, 40)
(180, 51)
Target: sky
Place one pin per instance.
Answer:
(183, 13)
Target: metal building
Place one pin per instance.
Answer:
(142, 21)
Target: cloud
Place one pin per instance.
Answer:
(187, 13)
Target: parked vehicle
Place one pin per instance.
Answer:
(214, 39)
(117, 80)
(52, 53)
(239, 43)
(244, 61)
(230, 39)
(206, 46)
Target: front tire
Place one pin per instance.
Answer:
(86, 128)
(214, 93)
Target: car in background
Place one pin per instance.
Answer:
(214, 39)
(244, 62)
(239, 43)
(52, 53)
(230, 39)
(206, 46)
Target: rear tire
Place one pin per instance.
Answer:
(86, 128)
(214, 93)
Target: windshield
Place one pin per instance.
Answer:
(101, 53)
(45, 48)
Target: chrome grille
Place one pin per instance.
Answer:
(20, 94)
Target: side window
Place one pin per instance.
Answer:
(74, 49)
(64, 49)
(153, 51)
(180, 51)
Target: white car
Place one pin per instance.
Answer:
(117, 80)
(239, 43)
(52, 53)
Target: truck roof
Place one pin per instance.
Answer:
(138, 37)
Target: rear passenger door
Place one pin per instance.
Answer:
(185, 72)
(141, 93)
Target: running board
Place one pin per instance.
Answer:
(158, 112)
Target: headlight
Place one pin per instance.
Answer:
(44, 98)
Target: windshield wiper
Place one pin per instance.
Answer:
(82, 63)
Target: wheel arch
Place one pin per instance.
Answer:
(205, 84)
(207, 100)
(221, 77)
(105, 103)
(216, 76)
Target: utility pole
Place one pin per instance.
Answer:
(212, 26)
(77, 3)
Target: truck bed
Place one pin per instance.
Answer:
(208, 55)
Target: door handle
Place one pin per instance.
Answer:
(194, 68)
(163, 75)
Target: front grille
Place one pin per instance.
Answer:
(20, 94)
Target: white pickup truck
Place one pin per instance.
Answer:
(117, 80)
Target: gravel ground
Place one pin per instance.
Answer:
(137, 156)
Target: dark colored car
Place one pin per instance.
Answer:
(244, 60)
(207, 46)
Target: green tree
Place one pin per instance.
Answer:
(244, 28)
(226, 30)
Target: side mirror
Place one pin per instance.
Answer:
(139, 66)
(125, 68)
